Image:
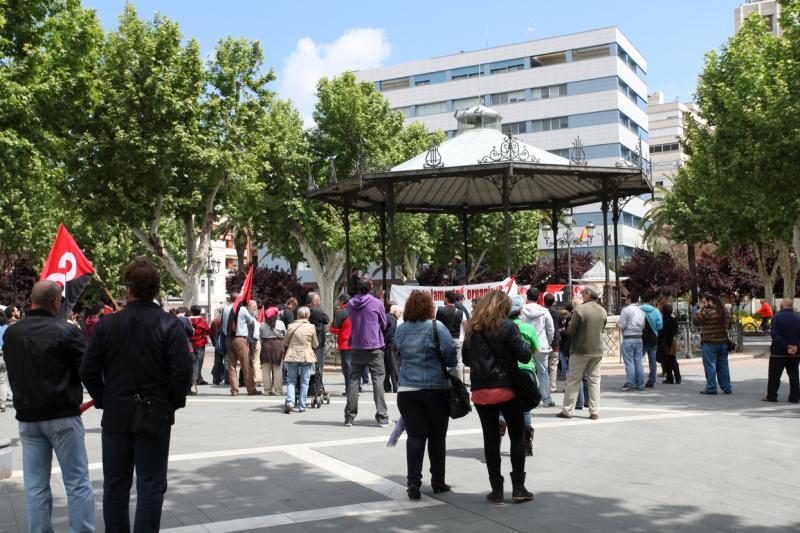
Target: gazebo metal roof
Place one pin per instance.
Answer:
(482, 170)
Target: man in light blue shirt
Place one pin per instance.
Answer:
(630, 324)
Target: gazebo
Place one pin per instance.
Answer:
(482, 170)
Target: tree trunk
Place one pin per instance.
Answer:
(788, 267)
(473, 272)
(411, 264)
(326, 273)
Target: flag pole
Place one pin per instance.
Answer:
(108, 293)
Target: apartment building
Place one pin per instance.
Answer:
(590, 85)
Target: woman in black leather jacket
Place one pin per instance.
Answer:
(492, 348)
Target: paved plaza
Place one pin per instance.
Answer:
(668, 459)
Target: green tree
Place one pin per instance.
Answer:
(167, 136)
(726, 194)
(48, 57)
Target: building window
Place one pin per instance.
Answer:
(203, 286)
(769, 19)
(548, 124)
(406, 111)
(230, 263)
(464, 73)
(659, 148)
(508, 98)
(422, 82)
(514, 128)
(545, 60)
(582, 54)
(660, 183)
(430, 109)
(398, 83)
(552, 91)
(466, 103)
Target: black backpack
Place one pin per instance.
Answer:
(649, 337)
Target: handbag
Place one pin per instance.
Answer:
(523, 382)
(151, 418)
(458, 395)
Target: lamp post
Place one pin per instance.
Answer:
(569, 240)
(212, 267)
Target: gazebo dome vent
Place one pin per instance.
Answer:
(476, 118)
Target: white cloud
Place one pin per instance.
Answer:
(357, 49)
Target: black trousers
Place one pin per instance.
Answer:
(512, 413)
(219, 372)
(672, 368)
(426, 415)
(777, 364)
(122, 452)
(391, 362)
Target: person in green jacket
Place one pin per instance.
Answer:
(529, 336)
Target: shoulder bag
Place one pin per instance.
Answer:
(523, 382)
(150, 418)
(458, 395)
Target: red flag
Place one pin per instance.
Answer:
(67, 266)
(262, 315)
(244, 297)
(584, 234)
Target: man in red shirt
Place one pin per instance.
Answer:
(199, 339)
(766, 314)
(341, 328)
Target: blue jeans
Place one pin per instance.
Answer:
(345, 356)
(124, 452)
(634, 368)
(650, 350)
(715, 363)
(543, 375)
(65, 437)
(304, 371)
(564, 363)
(197, 363)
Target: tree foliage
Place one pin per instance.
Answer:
(544, 272)
(659, 272)
(271, 286)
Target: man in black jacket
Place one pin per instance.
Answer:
(43, 354)
(784, 353)
(140, 352)
(319, 319)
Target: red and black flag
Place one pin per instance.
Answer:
(243, 298)
(67, 266)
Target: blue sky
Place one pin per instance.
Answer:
(302, 40)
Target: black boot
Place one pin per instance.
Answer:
(529, 441)
(440, 486)
(413, 492)
(496, 496)
(520, 493)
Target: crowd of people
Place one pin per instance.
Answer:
(139, 364)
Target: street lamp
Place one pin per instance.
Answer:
(212, 267)
(568, 239)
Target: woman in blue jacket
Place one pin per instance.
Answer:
(422, 393)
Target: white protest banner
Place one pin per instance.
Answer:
(400, 293)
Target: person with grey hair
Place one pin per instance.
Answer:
(300, 342)
(586, 351)
(43, 355)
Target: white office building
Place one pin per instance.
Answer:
(589, 85)
(769, 9)
(668, 121)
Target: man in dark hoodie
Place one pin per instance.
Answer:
(652, 325)
(552, 361)
(367, 322)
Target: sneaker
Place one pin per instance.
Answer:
(549, 404)
(202, 382)
(301, 409)
(382, 423)
(288, 408)
(648, 385)
(348, 423)
(707, 392)
(626, 388)
(254, 393)
(729, 391)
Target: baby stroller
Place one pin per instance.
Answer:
(316, 390)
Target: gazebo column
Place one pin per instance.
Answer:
(392, 235)
(465, 230)
(347, 266)
(615, 220)
(604, 209)
(554, 226)
(507, 221)
(383, 249)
